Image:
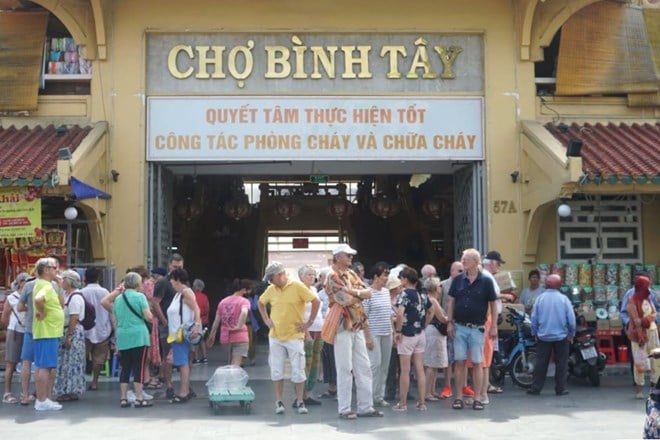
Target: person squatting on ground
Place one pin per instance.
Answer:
(287, 300)
(132, 312)
(471, 297)
(346, 291)
(553, 325)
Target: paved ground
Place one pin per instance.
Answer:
(607, 412)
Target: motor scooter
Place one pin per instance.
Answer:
(518, 351)
(584, 360)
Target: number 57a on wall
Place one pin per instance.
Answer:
(504, 207)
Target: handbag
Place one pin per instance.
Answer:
(331, 323)
(148, 324)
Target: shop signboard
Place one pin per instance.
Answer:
(20, 212)
(330, 128)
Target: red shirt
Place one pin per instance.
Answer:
(203, 303)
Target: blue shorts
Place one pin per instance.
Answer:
(45, 352)
(180, 352)
(468, 338)
(27, 350)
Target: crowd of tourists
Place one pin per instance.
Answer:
(373, 333)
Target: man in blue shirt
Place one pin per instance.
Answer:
(553, 324)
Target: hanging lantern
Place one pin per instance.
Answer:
(238, 207)
(189, 209)
(434, 207)
(339, 207)
(384, 206)
(287, 208)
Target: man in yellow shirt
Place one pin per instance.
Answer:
(47, 329)
(287, 300)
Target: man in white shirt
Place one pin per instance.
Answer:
(97, 339)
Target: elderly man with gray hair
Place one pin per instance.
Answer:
(287, 300)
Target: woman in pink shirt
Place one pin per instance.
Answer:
(230, 316)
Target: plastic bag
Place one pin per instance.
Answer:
(227, 378)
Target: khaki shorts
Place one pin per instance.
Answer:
(98, 353)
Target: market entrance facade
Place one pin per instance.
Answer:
(377, 137)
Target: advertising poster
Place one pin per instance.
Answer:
(20, 212)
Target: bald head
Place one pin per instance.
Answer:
(455, 269)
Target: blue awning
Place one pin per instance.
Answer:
(81, 190)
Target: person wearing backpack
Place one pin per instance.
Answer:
(70, 381)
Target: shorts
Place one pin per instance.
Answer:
(98, 352)
(180, 353)
(45, 352)
(14, 344)
(279, 351)
(409, 345)
(468, 338)
(27, 350)
(239, 349)
(435, 352)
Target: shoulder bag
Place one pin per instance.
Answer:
(128, 304)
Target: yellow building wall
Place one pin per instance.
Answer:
(650, 229)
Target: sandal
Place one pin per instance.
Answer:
(123, 403)
(495, 390)
(26, 400)
(154, 384)
(348, 416)
(399, 407)
(328, 395)
(458, 404)
(477, 405)
(432, 398)
(372, 413)
(9, 398)
(142, 404)
(179, 399)
(92, 388)
(421, 406)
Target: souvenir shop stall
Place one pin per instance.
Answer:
(596, 291)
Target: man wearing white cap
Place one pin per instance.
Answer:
(346, 291)
(287, 300)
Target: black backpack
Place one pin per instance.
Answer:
(90, 312)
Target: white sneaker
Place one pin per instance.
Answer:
(47, 405)
(130, 396)
(279, 407)
(302, 409)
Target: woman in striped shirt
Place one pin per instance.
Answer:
(379, 334)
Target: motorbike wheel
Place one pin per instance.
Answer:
(522, 373)
(594, 377)
(497, 375)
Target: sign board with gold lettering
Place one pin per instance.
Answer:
(20, 212)
(320, 128)
(317, 64)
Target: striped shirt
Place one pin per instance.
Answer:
(379, 312)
